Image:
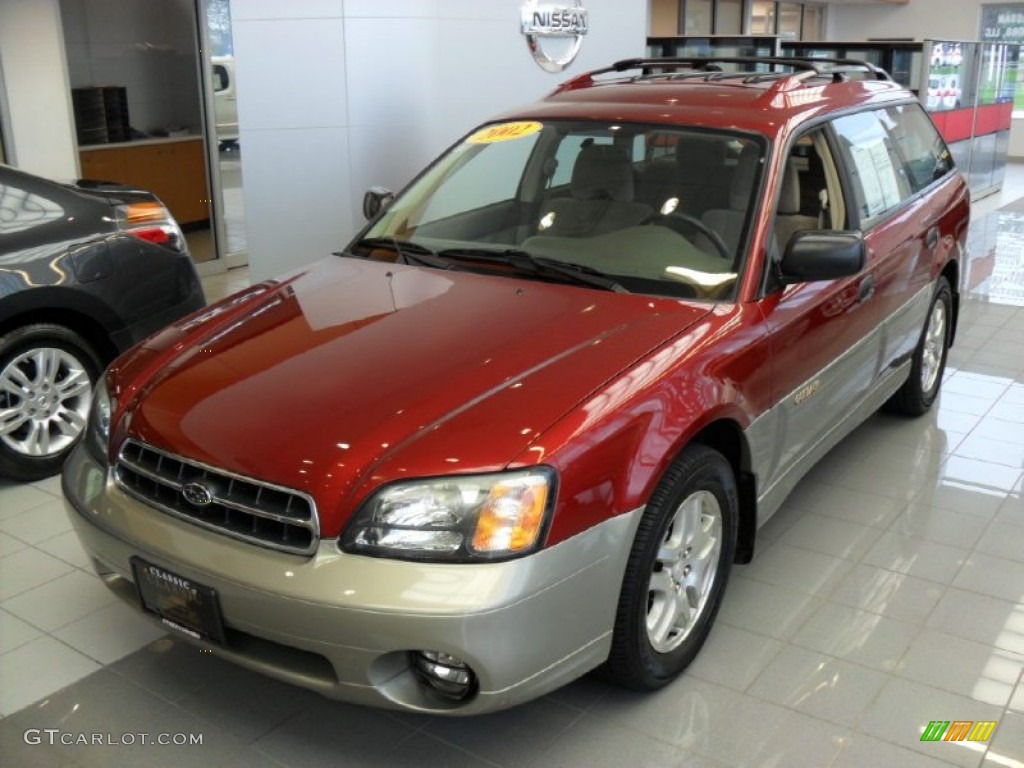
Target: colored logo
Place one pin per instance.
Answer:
(504, 132)
(197, 494)
(554, 32)
(958, 730)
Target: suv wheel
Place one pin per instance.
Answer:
(677, 571)
(47, 375)
(919, 391)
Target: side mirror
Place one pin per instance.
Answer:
(822, 255)
(376, 200)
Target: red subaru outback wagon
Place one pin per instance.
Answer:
(525, 423)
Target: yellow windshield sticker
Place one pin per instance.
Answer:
(504, 132)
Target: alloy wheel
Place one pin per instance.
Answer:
(45, 394)
(684, 571)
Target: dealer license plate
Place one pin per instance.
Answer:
(180, 603)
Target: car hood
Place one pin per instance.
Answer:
(358, 370)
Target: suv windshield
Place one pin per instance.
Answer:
(653, 208)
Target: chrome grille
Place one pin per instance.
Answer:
(240, 507)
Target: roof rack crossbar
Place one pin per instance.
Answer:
(819, 65)
(708, 66)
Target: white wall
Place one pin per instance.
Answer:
(337, 95)
(918, 19)
(35, 77)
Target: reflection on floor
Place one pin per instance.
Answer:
(888, 592)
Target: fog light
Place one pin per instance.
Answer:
(447, 675)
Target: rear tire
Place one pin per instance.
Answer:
(47, 376)
(921, 388)
(677, 571)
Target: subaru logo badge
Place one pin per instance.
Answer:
(197, 494)
(554, 31)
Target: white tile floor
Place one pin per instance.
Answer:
(888, 592)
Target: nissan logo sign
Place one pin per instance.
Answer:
(554, 32)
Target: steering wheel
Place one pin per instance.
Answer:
(677, 220)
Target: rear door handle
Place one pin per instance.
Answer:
(931, 238)
(866, 289)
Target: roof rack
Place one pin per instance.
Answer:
(838, 70)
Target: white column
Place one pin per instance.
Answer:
(35, 76)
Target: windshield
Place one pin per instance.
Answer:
(655, 209)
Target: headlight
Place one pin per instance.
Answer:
(459, 518)
(97, 438)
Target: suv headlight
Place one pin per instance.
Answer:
(97, 437)
(458, 518)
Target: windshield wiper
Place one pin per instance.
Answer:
(408, 251)
(538, 265)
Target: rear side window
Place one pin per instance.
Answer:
(892, 154)
(925, 155)
(870, 155)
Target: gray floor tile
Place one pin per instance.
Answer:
(1007, 744)
(38, 668)
(61, 601)
(39, 523)
(26, 569)
(765, 608)
(773, 736)
(170, 668)
(862, 751)
(595, 742)
(681, 713)
(986, 620)
(512, 738)
(422, 751)
(245, 704)
(903, 709)
(109, 633)
(962, 666)
(819, 685)
(15, 632)
(15, 499)
(318, 735)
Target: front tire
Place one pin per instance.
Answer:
(677, 571)
(921, 388)
(47, 376)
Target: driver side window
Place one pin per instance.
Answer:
(810, 195)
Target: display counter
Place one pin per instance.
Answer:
(174, 169)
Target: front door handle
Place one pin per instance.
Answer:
(931, 238)
(866, 289)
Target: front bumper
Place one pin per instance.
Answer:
(344, 624)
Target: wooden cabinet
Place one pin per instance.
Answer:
(172, 169)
